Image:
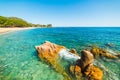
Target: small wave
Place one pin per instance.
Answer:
(111, 51)
(111, 75)
(68, 55)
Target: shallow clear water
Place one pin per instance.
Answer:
(19, 61)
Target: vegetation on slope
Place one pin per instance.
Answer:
(18, 22)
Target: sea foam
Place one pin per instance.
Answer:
(111, 51)
(68, 55)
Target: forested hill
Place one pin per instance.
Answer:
(18, 22)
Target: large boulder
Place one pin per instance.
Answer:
(84, 67)
(48, 50)
(51, 53)
(90, 71)
(86, 59)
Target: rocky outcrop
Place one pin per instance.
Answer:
(51, 53)
(76, 71)
(86, 59)
(93, 73)
(85, 67)
(101, 52)
(48, 52)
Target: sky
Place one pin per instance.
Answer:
(64, 12)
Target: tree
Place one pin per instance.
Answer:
(18, 22)
(49, 25)
(2, 21)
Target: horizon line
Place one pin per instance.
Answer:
(85, 26)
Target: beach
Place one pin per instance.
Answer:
(5, 30)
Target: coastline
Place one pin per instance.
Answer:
(6, 30)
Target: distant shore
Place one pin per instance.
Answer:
(5, 30)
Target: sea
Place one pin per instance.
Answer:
(19, 59)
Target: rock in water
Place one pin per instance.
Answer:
(88, 69)
(50, 53)
(73, 51)
(48, 50)
(76, 70)
(101, 52)
(85, 67)
(86, 59)
(93, 73)
(118, 55)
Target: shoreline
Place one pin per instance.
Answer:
(6, 30)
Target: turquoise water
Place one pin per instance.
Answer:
(19, 61)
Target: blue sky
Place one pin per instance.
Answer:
(64, 12)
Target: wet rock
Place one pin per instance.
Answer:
(101, 52)
(86, 59)
(49, 52)
(84, 67)
(73, 51)
(110, 44)
(93, 73)
(118, 55)
(76, 70)
(90, 71)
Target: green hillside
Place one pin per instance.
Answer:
(18, 22)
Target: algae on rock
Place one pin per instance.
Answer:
(83, 67)
(102, 52)
(48, 52)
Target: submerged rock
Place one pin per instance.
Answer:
(76, 71)
(118, 55)
(101, 52)
(110, 44)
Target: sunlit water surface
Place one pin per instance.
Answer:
(19, 60)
